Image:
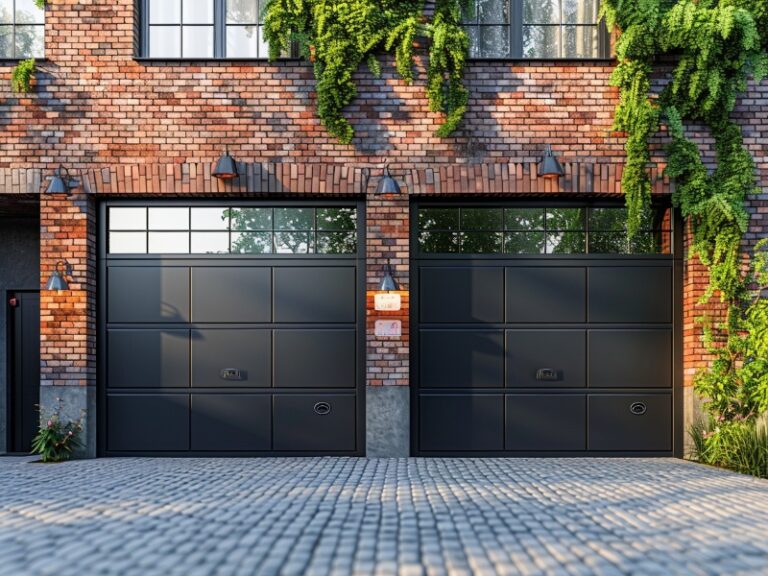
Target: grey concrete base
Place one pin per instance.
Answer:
(388, 421)
(694, 413)
(73, 401)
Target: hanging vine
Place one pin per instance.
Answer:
(716, 46)
(338, 36)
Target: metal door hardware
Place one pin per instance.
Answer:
(231, 374)
(638, 408)
(547, 374)
(322, 408)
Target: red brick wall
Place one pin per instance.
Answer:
(95, 108)
(67, 319)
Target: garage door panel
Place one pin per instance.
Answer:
(158, 422)
(630, 358)
(315, 358)
(148, 358)
(139, 294)
(546, 422)
(546, 358)
(461, 295)
(545, 294)
(641, 294)
(231, 294)
(314, 422)
(228, 422)
(315, 294)
(630, 422)
(231, 358)
(455, 423)
(461, 359)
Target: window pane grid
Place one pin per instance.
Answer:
(22, 30)
(232, 230)
(547, 29)
(536, 231)
(206, 29)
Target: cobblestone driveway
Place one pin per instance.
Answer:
(341, 516)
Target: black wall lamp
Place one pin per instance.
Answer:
(58, 279)
(61, 183)
(389, 284)
(387, 184)
(226, 167)
(549, 167)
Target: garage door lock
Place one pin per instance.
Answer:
(322, 408)
(547, 374)
(638, 408)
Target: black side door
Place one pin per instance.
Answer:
(24, 355)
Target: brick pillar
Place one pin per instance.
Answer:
(68, 318)
(387, 368)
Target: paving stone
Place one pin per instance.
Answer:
(408, 516)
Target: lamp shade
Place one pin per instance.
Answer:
(60, 183)
(57, 282)
(389, 284)
(387, 184)
(549, 167)
(226, 167)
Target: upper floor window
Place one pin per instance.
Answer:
(22, 29)
(203, 29)
(537, 29)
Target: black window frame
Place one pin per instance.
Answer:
(13, 25)
(515, 33)
(219, 25)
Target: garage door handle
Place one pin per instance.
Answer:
(322, 408)
(638, 408)
(547, 374)
(231, 374)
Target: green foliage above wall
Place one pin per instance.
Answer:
(340, 35)
(716, 46)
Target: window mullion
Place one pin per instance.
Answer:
(220, 29)
(516, 28)
(144, 40)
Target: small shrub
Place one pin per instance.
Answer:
(56, 440)
(21, 77)
(740, 445)
(41, 4)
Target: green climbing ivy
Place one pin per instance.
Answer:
(21, 76)
(338, 36)
(715, 47)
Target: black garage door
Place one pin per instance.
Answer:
(231, 329)
(542, 330)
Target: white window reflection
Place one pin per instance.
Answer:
(210, 218)
(127, 218)
(127, 243)
(169, 218)
(210, 243)
(169, 242)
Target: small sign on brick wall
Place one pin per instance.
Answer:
(389, 328)
(387, 302)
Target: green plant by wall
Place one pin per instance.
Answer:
(55, 440)
(340, 35)
(740, 445)
(21, 76)
(41, 4)
(715, 47)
